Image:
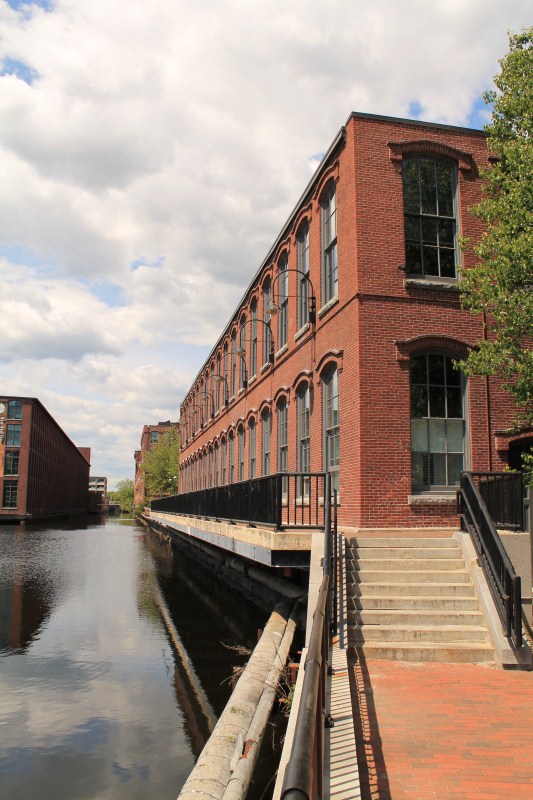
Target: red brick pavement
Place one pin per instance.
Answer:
(444, 731)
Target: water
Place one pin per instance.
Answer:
(100, 697)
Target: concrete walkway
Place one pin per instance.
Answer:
(428, 731)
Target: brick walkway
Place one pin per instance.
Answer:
(443, 731)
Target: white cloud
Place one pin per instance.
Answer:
(180, 136)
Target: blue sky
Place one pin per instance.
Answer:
(150, 155)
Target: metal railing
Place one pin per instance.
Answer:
(503, 493)
(283, 499)
(504, 583)
(303, 778)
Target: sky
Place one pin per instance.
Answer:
(150, 153)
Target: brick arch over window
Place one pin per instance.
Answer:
(305, 376)
(399, 150)
(331, 357)
(283, 393)
(405, 348)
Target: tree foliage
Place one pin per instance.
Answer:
(161, 466)
(501, 283)
(123, 494)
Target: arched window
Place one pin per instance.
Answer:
(223, 462)
(303, 267)
(267, 299)
(241, 453)
(233, 363)
(253, 338)
(231, 455)
(266, 421)
(331, 418)
(437, 421)
(328, 208)
(283, 301)
(215, 464)
(304, 436)
(429, 200)
(251, 449)
(242, 350)
(283, 441)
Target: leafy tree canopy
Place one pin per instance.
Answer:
(123, 494)
(161, 466)
(501, 283)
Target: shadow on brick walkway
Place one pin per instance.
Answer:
(430, 731)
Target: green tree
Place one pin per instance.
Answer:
(500, 285)
(123, 494)
(161, 466)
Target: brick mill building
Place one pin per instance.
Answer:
(149, 438)
(42, 472)
(340, 355)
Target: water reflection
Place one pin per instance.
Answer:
(103, 698)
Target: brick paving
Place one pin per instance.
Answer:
(430, 731)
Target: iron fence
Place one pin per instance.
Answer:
(503, 493)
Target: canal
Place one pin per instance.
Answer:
(115, 659)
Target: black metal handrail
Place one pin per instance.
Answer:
(504, 583)
(282, 499)
(303, 778)
(503, 493)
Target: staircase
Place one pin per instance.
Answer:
(413, 600)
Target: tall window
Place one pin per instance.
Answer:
(304, 436)
(267, 299)
(231, 447)
(251, 450)
(429, 188)
(266, 421)
(225, 382)
(154, 437)
(215, 455)
(241, 453)
(14, 409)
(303, 266)
(10, 494)
(329, 244)
(283, 440)
(233, 363)
(253, 338)
(242, 358)
(223, 463)
(437, 421)
(11, 462)
(332, 426)
(283, 301)
(210, 469)
(13, 433)
(218, 386)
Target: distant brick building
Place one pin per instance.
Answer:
(340, 355)
(150, 436)
(42, 473)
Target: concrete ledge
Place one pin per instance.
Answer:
(506, 655)
(262, 545)
(432, 500)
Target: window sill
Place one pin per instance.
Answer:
(282, 350)
(302, 331)
(252, 380)
(328, 305)
(264, 368)
(446, 284)
(430, 499)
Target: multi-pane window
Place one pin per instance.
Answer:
(304, 436)
(251, 450)
(329, 244)
(225, 387)
(437, 421)
(223, 463)
(215, 456)
(242, 356)
(11, 462)
(10, 494)
(233, 363)
(13, 433)
(253, 338)
(218, 387)
(241, 453)
(429, 188)
(283, 301)
(14, 409)
(231, 454)
(266, 421)
(283, 440)
(303, 267)
(332, 427)
(154, 437)
(267, 300)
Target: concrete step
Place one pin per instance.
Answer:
(443, 603)
(429, 634)
(412, 589)
(406, 576)
(414, 616)
(405, 552)
(378, 543)
(443, 652)
(411, 564)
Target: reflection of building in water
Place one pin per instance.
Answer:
(24, 605)
(42, 472)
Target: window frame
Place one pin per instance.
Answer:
(10, 495)
(303, 267)
(330, 264)
(283, 300)
(266, 433)
(332, 432)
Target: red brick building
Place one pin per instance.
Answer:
(340, 354)
(42, 472)
(150, 436)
